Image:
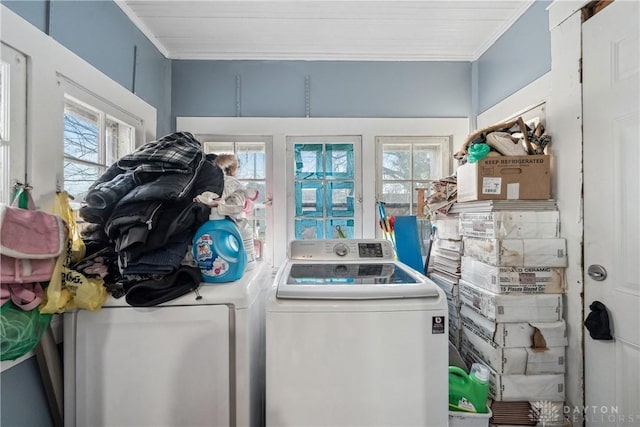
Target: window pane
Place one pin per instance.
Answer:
(308, 161)
(4, 174)
(217, 147)
(251, 157)
(397, 197)
(261, 186)
(4, 123)
(340, 164)
(340, 229)
(309, 198)
(426, 162)
(340, 200)
(396, 161)
(4, 100)
(78, 178)
(119, 139)
(309, 229)
(81, 132)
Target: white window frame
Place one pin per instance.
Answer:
(443, 143)
(13, 142)
(280, 128)
(356, 140)
(105, 110)
(267, 250)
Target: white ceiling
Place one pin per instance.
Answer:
(416, 30)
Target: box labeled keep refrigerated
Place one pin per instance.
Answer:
(505, 177)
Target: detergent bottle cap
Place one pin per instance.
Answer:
(480, 372)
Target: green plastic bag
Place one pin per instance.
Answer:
(20, 330)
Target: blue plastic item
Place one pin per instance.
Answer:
(219, 252)
(408, 246)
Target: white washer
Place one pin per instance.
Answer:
(355, 338)
(186, 362)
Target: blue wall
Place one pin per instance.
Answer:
(336, 89)
(24, 402)
(520, 56)
(101, 33)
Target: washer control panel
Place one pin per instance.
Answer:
(344, 249)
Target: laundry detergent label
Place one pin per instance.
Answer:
(437, 325)
(209, 264)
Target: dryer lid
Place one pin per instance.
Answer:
(371, 280)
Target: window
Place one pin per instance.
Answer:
(408, 163)
(4, 100)
(4, 128)
(252, 171)
(325, 186)
(361, 133)
(13, 85)
(93, 140)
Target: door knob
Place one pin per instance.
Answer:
(597, 272)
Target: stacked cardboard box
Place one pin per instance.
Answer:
(510, 290)
(445, 268)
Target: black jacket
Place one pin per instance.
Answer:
(142, 210)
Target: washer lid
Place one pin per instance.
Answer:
(371, 280)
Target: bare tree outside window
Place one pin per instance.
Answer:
(92, 142)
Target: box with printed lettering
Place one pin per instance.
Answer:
(505, 177)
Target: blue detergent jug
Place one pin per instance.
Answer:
(219, 252)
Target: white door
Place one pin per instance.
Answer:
(13, 98)
(611, 97)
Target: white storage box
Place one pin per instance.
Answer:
(518, 334)
(517, 252)
(469, 419)
(450, 245)
(511, 225)
(512, 360)
(526, 387)
(511, 307)
(448, 228)
(445, 253)
(446, 265)
(449, 286)
(526, 280)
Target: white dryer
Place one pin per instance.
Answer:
(355, 338)
(188, 362)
